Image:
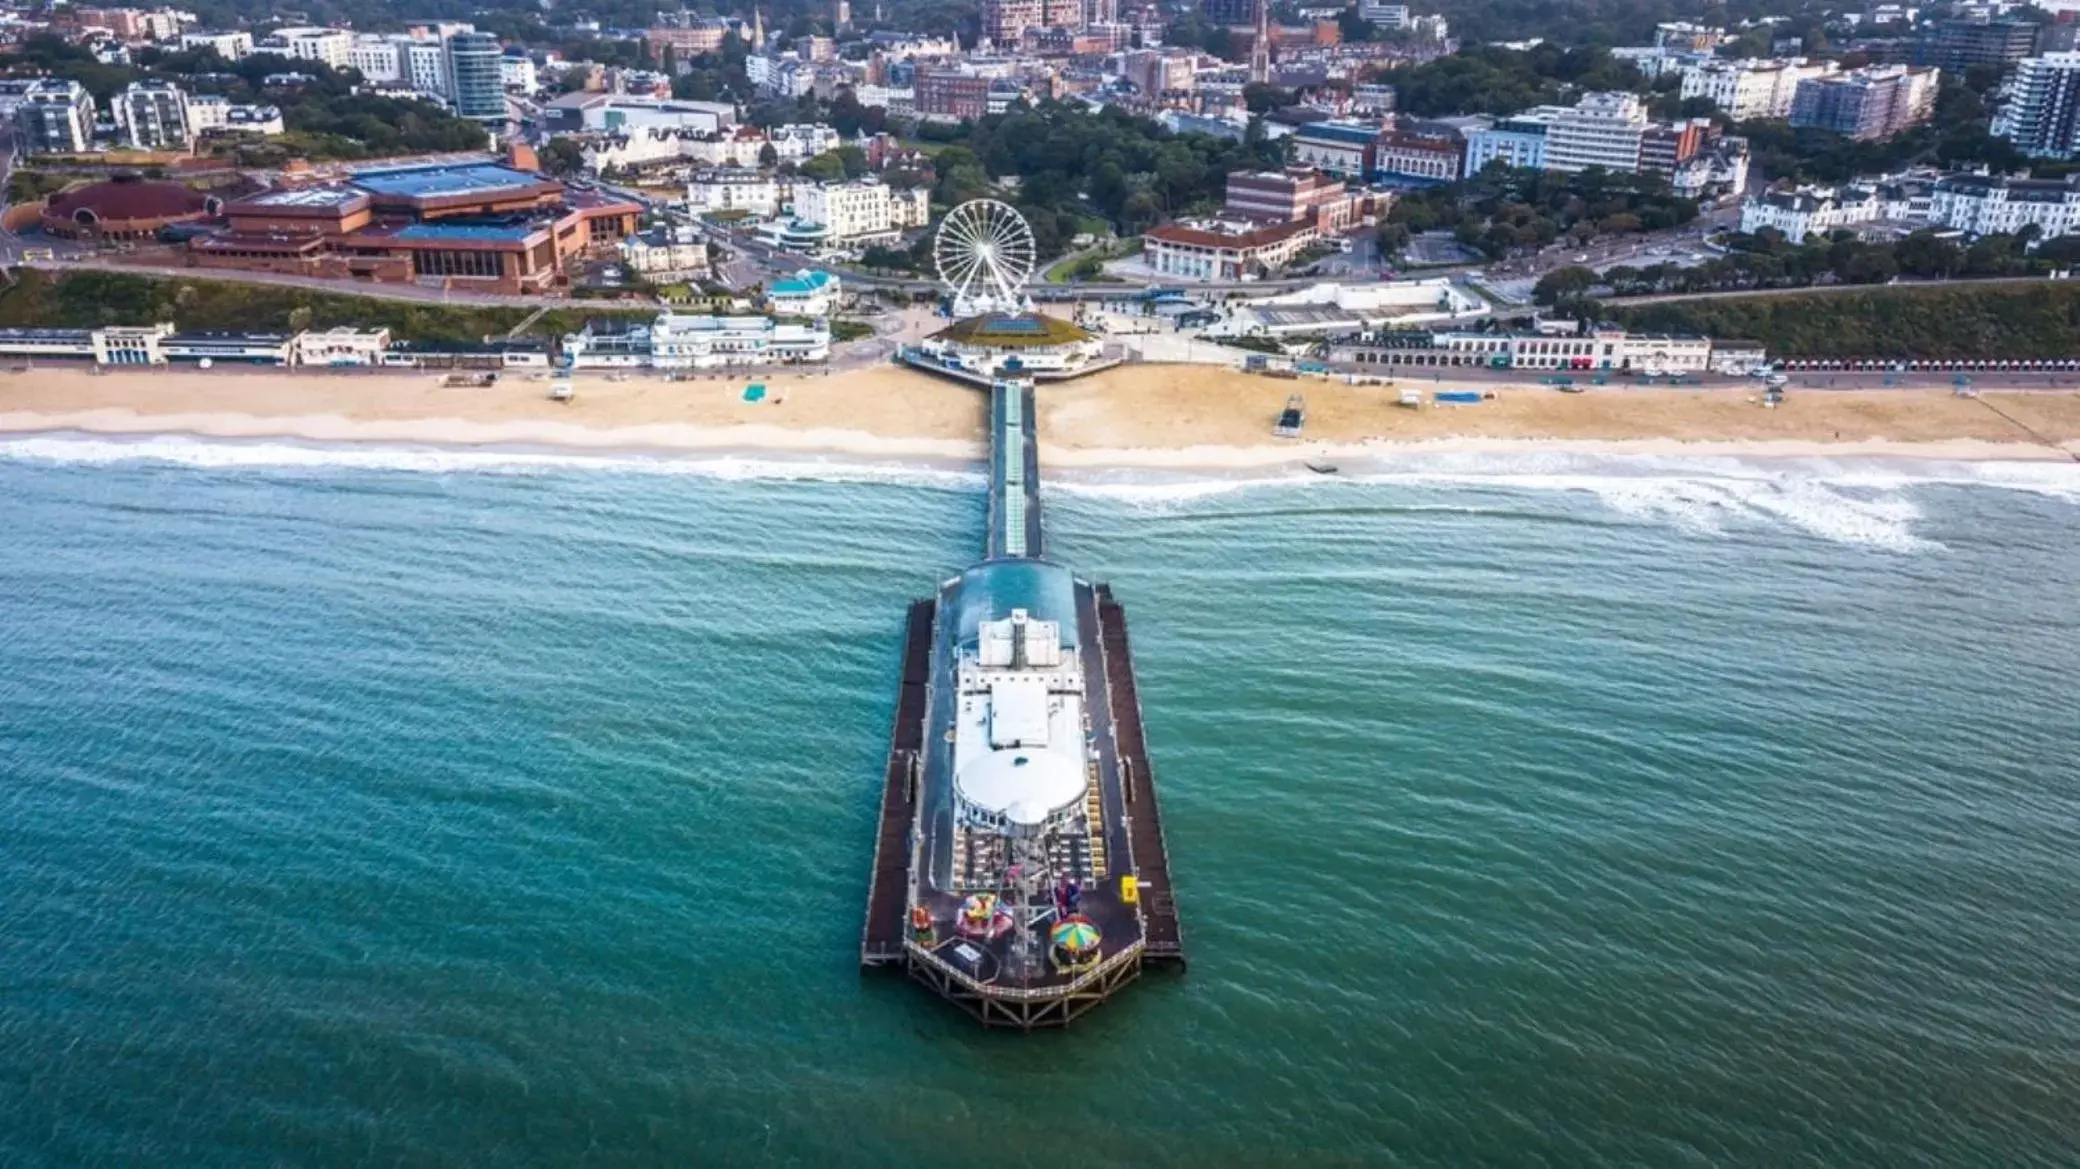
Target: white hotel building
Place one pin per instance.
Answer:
(1603, 129)
(680, 341)
(861, 210)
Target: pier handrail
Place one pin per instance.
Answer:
(1025, 994)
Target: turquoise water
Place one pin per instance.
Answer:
(421, 809)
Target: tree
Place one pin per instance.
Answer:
(1262, 98)
(563, 156)
(824, 168)
(1563, 283)
(1870, 266)
(768, 157)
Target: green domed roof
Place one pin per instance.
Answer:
(1012, 331)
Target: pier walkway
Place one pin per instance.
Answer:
(887, 897)
(1014, 474)
(1164, 936)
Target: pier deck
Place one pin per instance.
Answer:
(1164, 935)
(938, 853)
(881, 942)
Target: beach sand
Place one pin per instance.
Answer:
(1141, 416)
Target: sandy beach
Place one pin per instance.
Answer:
(1161, 416)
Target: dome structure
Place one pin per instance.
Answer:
(124, 207)
(1020, 792)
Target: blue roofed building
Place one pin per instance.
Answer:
(807, 293)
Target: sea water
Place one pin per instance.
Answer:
(400, 807)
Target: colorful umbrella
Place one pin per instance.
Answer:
(1075, 936)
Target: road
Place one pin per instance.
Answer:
(1825, 289)
(401, 292)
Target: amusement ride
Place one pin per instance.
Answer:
(984, 254)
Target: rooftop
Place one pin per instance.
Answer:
(1013, 330)
(305, 197)
(440, 182)
(802, 283)
(466, 232)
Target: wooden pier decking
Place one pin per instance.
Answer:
(1163, 935)
(881, 942)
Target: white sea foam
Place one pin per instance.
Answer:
(1856, 500)
(215, 453)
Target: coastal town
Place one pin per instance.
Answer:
(1347, 194)
(568, 566)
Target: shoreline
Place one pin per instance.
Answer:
(1154, 418)
(579, 445)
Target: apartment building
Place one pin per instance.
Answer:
(2042, 113)
(1602, 129)
(1751, 89)
(153, 115)
(1960, 44)
(1870, 103)
(55, 117)
(329, 46)
(231, 46)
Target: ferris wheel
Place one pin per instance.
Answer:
(984, 252)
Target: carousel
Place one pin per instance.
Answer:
(1073, 944)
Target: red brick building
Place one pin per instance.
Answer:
(480, 225)
(1293, 196)
(946, 94)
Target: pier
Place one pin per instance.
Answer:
(1020, 869)
(881, 942)
(1165, 937)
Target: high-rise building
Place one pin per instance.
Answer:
(229, 45)
(153, 115)
(331, 46)
(55, 117)
(426, 68)
(476, 78)
(1602, 129)
(2042, 114)
(1870, 103)
(1751, 89)
(1959, 44)
(841, 15)
(1005, 21)
(1230, 12)
(379, 59)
